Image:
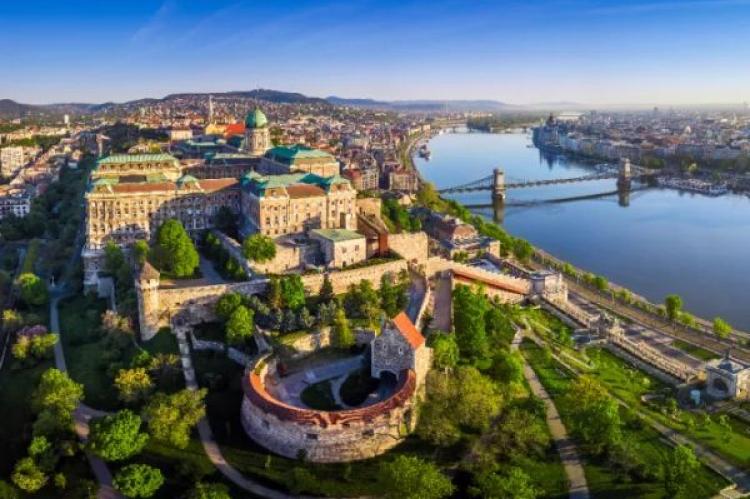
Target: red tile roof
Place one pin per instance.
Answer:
(407, 329)
(234, 129)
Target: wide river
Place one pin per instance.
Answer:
(662, 241)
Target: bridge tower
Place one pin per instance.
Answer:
(498, 185)
(624, 177)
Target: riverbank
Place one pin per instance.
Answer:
(659, 243)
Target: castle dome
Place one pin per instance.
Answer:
(256, 119)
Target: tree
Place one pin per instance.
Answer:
(210, 491)
(240, 326)
(469, 308)
(673, 306)
(12, 320)
(28, 476)
(259, 248)
(326, 290)
(133, 384)
(114, 258)
(138, 480)
(594, 414)
(522, 249)
(292, 292)
(57, 393)
(174, 250)
(32, 288)
(507, 367)
(171, 417)
(722, 329)
(274, 293)
(140, 251)
(305, 320)
(515, 484)
(227, 304)
(117, 436)
(601, 283)
(427, 195)
(390, 296)
(445, 351)
(410, 477)
(41, 346)
(680, 470)
(342, 335)
(361, 301)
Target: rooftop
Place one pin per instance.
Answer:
(118, 159)
(292, 154)
(337, 235)
(407, 329)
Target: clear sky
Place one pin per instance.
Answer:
(593, 52)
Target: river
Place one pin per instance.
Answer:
(657, 242)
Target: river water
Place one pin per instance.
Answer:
(657, 242)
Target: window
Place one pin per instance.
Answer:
(312, 436)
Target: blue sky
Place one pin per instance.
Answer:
(593, 52)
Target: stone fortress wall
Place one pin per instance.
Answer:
(326, 437)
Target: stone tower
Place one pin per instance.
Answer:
(257, 135)
(147, 292)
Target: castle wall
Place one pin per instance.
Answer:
(414, 246)
(327, 437)
(343, 278)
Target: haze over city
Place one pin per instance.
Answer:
(596, 53)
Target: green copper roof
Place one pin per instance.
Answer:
(337, 235)
(259, 183)
(256, 119)
(291, 154)
(116, 159)
(187, 179)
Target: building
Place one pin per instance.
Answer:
(257, 136)
(363, 179)
(14, 201)
(137, 167)
(727, 378)
(340, 247)
(276, 205)
(176, 134)
(453, 237)
(398, 347)
(282, 159)
(11, 160)
(403, 180)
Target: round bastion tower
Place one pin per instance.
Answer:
(257, 134)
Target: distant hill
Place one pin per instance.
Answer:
(275, 96)
(426, 105)
(10, 109)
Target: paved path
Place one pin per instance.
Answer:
(211, 448)
(83, 413)
(442, 304)
(566, 448)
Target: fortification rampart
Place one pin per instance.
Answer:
(341, 279)
(326, 437)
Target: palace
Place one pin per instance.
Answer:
(130, 195)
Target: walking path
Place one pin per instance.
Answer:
(83, 413)
(566, 448)
(211, 448)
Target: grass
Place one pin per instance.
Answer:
(695, 351)
(16, 387)
(603, 480)
(629, 384)
(357, 387)
(319, 396)
(92, 360)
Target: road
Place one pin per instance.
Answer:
(566, 448)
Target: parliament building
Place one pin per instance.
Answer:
(280, 191)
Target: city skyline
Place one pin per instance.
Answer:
(591, 53)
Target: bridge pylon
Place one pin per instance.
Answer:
(498, 185)
(624, 176)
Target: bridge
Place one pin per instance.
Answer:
(496, 183)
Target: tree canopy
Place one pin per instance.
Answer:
(341, 334)
(469, 308)
(58, 393)
(227, 304)
(679, 471)
(209, 491)
(595, 416)
(259, 248)
(240, 326)
(133, 384)
(138, 480)
(673, 306)
(33, 289)
(171, 417)
(292, 291)
(174, 251)
(410, 477)
(117, 436)
(445, 351)
(722, 329)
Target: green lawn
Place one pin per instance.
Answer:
(91, 360)
(695, 351)
(603, 480)
(16, 387)
(629, 383)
